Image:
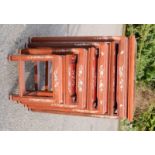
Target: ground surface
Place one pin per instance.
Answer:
(15, 116)
(145, 97)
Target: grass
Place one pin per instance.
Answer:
(144, 116)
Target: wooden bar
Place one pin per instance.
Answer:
(33, 99)
(92, 79)
(112, 77)
(58, 107)
(75, 39)
(131, 82)
(81, 77)
(73, 113)
(49, 106)
(37, 51)
(30, 57)
(70, 109)
(62, 44)
(21, 66)
(70, 79)
(57, 79)
(102, 78)
(122, 77)
(39, 93)
(49, 51)
(64, 78)
(36, 101)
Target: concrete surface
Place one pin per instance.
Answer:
(15, 116)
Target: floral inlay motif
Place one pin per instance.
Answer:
(101, 74)
(121, 82)
(122, 52)
(80, 82)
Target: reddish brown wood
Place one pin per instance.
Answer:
(73, 113)
(70, 79)
(62, 45)
(122, 77)
(131, 83)
(102, 78)
(112, 78)
(57, 78)
(21, 65)
(81, 77)
(39, 93)
(92, 79)
(89, 76)
(31, 57)
(37, 51)
(34, 99)
(75, 39)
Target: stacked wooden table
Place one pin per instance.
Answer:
(92, 76)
